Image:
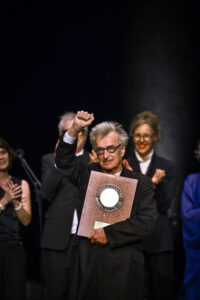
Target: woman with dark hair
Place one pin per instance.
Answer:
(190, 214)
(15, 210)
(146, 130)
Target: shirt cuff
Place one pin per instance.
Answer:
(68, 139)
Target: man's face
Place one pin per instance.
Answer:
(110, 162)
(67, 124)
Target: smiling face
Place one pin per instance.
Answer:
(143, 140)
(110, 162)
(4, 160)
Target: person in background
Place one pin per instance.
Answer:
(190, 214)
(48, 160)
(15, 210)
(61, 219)
(109, 263)
(145, 130)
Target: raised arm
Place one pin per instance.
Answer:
(82, 119)
(66, 160)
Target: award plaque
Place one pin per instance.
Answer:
(108, 200)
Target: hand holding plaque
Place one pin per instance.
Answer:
(108, 200)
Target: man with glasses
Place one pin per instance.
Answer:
(109, 263)
(145, 130)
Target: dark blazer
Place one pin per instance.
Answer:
(118, 262)
(161, 240)
(47, 164)
(64, 198)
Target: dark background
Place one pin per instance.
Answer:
(111, 59)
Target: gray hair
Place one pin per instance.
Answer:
(66, 116)
(104, 128)
(69, 115)
(197, 151)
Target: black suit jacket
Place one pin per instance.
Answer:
(64, 199)
(161, 240)
(47, 164)
(117, 267)
(130, 232)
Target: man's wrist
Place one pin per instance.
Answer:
(73, 131)
(68, 139)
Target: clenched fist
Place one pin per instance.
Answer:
(82, 119)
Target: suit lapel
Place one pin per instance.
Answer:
(124, 172)
(135, 164)
(152, 166)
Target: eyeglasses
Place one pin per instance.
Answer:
(110, 149)
(145, 137)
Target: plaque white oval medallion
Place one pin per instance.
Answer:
(109, 197)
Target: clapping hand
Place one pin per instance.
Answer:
(158, 176)
(13, 191)
(93, 156)
(127, 165)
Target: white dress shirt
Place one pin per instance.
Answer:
(70, 140)
(144, 164)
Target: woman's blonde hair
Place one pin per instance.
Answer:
(146, 117)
